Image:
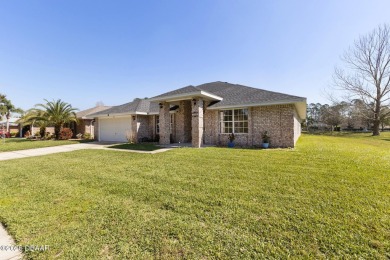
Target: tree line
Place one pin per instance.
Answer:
(345, 115)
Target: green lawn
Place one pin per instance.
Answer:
(140, 147)
(15, 144)
(328, 198)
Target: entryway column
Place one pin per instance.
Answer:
(164, 121)
(197, 123)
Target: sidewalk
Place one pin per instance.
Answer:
(7, 249)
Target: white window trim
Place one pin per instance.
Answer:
(221, 120)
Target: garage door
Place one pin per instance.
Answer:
(114, 129)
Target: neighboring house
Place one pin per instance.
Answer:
(14, 126)
(85, 124)
(206, 114)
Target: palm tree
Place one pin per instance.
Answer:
(7, 108)
(56, 113)
(34, 117)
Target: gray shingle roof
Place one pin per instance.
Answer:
(90, 111)
(239, 95)
(235, 94)
(137, 105)
(185, 90)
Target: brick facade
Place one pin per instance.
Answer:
(96, 129)
(281, 122)
(85, 126)
(143, 128)
(193, 123)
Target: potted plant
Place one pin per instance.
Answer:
(266, 139)
(231, 140)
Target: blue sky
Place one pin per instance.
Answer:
(114, 51)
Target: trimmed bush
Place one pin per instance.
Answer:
(87, 136)
(65, 134)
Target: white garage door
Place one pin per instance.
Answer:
(114, 129)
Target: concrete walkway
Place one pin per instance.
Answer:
(8, 250)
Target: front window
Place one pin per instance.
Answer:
(234, 121)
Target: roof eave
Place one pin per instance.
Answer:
(114, 114)
(186, 96)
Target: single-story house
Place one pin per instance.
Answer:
(13, 125)
(206, 115)
(85, 123)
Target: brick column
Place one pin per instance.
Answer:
(165, 121)
(197, 123)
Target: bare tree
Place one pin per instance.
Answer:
(367, 73)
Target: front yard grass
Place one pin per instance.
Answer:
(328, 198)
(15, 144)
(139, 147)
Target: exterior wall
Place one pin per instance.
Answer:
(80, 127)
(211, 126)
(297, 127)
(165, 121)
(84, 126)
(96, 129)
(278, 120)
(143, 128)
(281, 122)
(152, 127)
(13, 129)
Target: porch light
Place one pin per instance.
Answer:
(133, 117)
(194, 101)
(161, 105)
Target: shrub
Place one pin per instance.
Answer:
(27, 134)
(37, 134)
(79, 135)
(48, 136)
(87, 136)
(65, 134)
